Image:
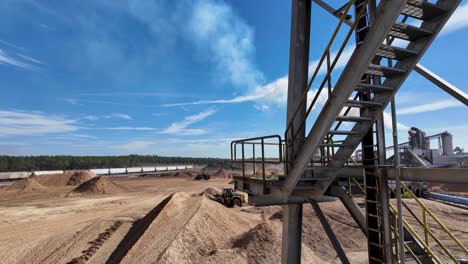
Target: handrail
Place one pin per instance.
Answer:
(417, 237)
(327, 78)
(424, 243)
(441, 225)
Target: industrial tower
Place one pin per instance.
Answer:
(390, 37)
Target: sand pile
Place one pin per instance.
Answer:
(67, 178)
(80, 177)
(194, 229)
(189, 229)
(99, 185)
(26, 185)
(222, 174)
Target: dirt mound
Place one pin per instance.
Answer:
(183, 174)
(67, 178)
(188, 228)
(99, 185)
(80, 177)
(258, 244)
(26, 185)
(201, 176)
(222, 174)
(211, 193)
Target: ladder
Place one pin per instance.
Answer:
(363, 63)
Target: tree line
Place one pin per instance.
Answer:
(36, 163)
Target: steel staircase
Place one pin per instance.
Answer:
(357, 77)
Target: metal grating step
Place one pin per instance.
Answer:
(390, 52)
(421, 9)
(365, 87)
(408, 32)
(343, 132)
(378, 70)
(334, 145)
(363, 104)
(353, 119)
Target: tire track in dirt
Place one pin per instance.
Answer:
(96, 244)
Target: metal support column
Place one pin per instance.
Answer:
(328, 230)
(297, 84)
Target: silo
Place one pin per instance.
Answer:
(447, 144)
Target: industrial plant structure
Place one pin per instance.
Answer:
(390, 39)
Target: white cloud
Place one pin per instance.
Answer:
(131, 128)
(229, 40)
(24, 123)
(29, 58)
(434, 106)
(83, 136)
(458, 20)
(117, 115)
(341, 63)
(91, 118)
(12, 61)
(388, 122)
(180, 128)
(275, 92)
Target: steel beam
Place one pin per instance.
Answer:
(351, 206)
(332, 11)
(426, 73)
(297, 84)
(438, 175)
(443, 84)
(328, 230)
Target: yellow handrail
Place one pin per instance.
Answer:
(423, 223)
(435, 218)
(417, 237)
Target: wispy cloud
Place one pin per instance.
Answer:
(15, 123)
(458, 20)
(228, 37)
(181, 127)
(10, 60)
(131, 128)
(11, 45)
(28, 58)
(434, 106)
(387, 118)
(117, 115)
(275, 92)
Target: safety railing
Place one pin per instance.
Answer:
(257, 144)
(426, 213)
(427, 233)
(291, 134)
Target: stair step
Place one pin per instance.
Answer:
(374, 88)
(353, 119)
(343, 132)
(383, 71)
(421, 9)
(391, 52)
(363, 104)
(408, 32)
(334, 145)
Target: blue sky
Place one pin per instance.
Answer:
(178, 78)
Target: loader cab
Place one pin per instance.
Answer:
(227, 192)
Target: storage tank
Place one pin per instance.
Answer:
(447, 144)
